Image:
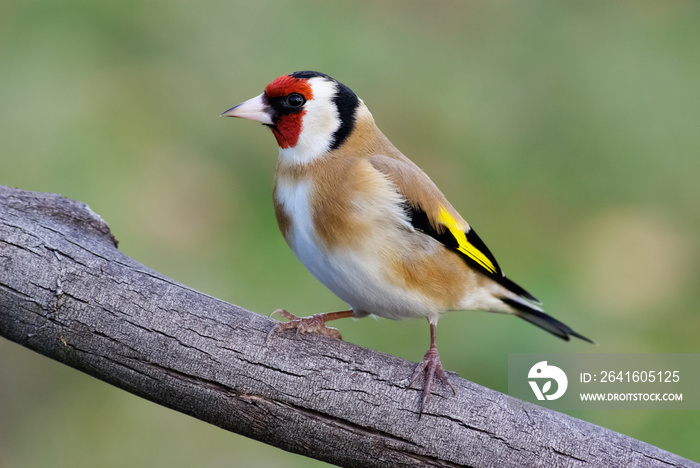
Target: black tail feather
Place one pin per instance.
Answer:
(511, 286)
(543, 320)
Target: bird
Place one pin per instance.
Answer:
(370, 225)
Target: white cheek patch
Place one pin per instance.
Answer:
(321, 120)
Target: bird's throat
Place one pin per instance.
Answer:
(287, 130)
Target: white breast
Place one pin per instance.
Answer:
(358, 277)
(294, 198)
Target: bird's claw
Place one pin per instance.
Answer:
(314, 324)
(432, 367)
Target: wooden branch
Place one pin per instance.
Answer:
(67, 292)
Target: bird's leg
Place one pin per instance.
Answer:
(314, 324)
(433, 367)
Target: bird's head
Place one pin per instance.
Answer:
(308, 112)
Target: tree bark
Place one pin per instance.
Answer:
(67, 292)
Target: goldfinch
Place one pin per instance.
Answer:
(370, 224)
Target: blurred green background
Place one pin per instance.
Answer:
(567, 133)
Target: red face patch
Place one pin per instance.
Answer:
(287, 84)
(288, 127)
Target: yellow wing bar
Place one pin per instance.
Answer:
(464, 246)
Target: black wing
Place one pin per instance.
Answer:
(467, 244)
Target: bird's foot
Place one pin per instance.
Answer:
(314, 324)
(432, 367)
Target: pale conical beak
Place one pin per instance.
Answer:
(253, 109)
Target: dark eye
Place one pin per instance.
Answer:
(295, 100)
